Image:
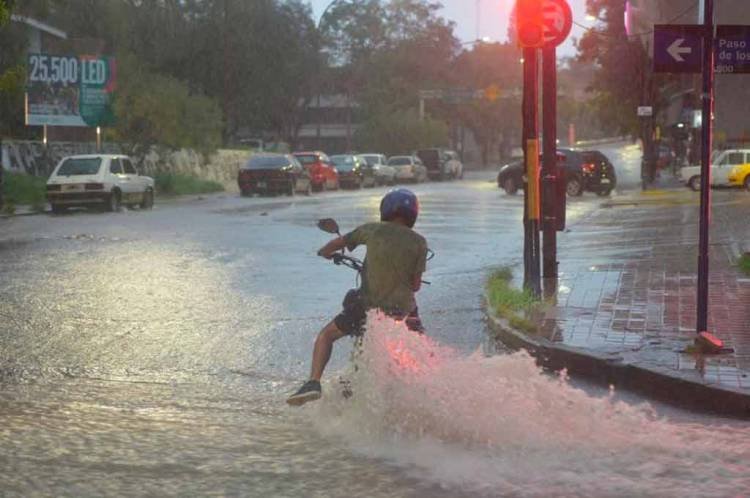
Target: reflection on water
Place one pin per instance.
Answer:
(158, 365)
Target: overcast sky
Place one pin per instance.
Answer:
(493, 18)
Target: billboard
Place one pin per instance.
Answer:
(69, 90)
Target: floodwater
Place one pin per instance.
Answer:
(150, 353)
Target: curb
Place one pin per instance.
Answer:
(652, 382)
(27, 213)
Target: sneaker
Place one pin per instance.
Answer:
(310, 391)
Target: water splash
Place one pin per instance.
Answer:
(500, 425)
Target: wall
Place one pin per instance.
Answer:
(33, 158)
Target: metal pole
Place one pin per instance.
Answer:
(532, 280)
(317, 128)
(706, 136)
(318, 113)
(549, 165)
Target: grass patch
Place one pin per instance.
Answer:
(513, 304)
(744, 263)
(24, 189)
(177, 184)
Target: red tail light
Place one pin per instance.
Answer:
(589, 167)
(94, 186)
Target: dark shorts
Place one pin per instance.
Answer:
(352, 319)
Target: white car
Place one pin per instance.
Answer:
(384, 174)
(98, 179)
(408, 168)
(729, 168)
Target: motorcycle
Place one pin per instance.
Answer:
(353, 299)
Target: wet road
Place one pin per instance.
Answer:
(149, 353)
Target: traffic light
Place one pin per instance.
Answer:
(529, 23)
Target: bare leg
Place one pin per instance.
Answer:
(323, 348)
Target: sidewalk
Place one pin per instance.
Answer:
(626, 302)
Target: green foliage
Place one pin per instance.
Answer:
(153, 109)
(24, 189)
(744, 263)
(385, 52)
(6, 6)
(504, 298)
(624, 77)
(177, 184)
(400, 132)
(494, 124)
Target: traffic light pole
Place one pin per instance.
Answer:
(532, 277)
(549, 169)
(705, 205)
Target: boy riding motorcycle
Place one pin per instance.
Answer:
(396, 258)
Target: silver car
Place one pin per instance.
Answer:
(408, 169)
(384, 174)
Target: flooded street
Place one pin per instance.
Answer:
(150, 354)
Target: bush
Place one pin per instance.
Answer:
(176, 184)
(24, 189)
(400, 132)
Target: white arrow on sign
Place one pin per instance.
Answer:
(676, 50)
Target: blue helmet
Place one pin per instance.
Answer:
(400, 203)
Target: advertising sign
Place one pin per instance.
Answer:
(65, 90)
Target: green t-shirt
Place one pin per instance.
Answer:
(395, 254)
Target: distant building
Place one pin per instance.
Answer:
(329, 125)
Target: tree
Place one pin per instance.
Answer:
(155, 110)
(385, 52)
(495, 123)
(400, 132)
(623, 77)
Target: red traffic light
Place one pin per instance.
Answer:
(529, 23)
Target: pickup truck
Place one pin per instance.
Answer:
(729, 168)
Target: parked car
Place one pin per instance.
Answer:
(441, 164)
(98, 179)
(352, 170)
(369, 179)
(384, 174)
(273, 173)
(511, 177)
(729, 168)
(408, 168)
(322, 172)
(585, 171)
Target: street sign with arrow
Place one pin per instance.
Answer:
(678, 48)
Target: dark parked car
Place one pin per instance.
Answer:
(353, 170)
(273, 173)
(585, 171)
